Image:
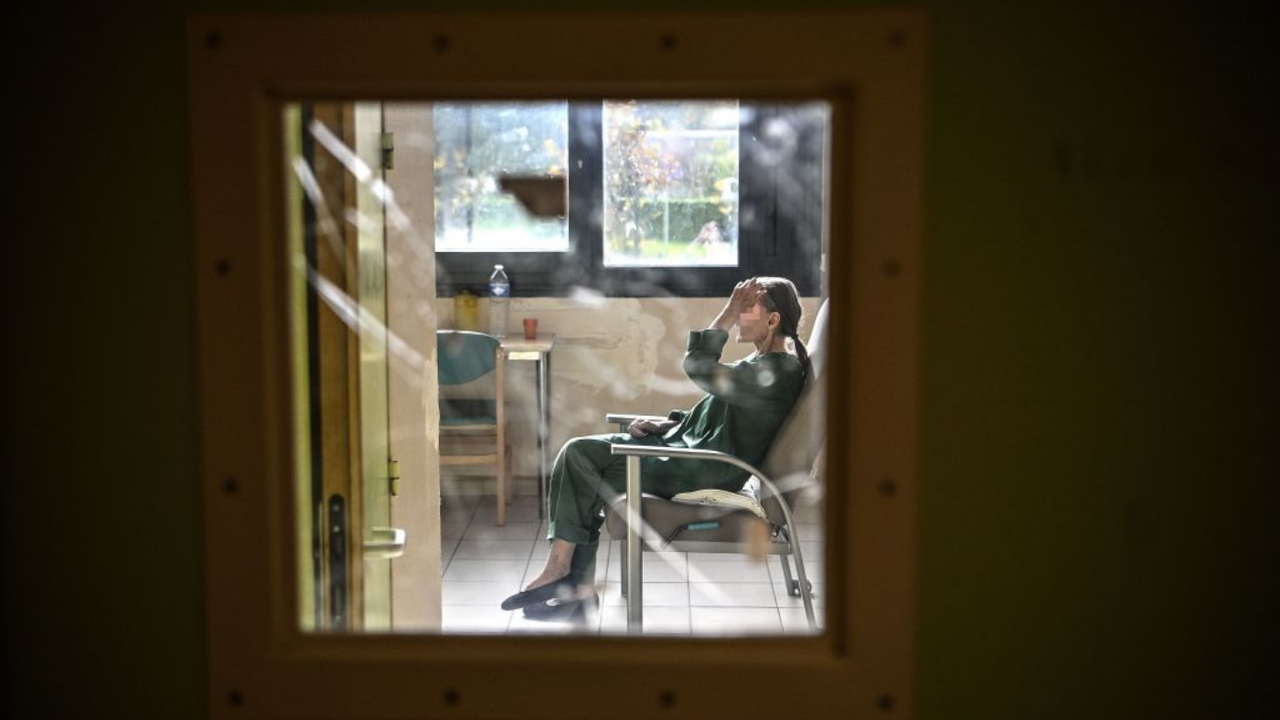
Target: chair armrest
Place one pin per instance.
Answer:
(628, 417)
(624, 420)
(659, 451)
(713, 456)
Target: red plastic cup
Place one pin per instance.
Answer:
(530, 328)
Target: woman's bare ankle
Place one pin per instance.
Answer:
(559, 562)
(547, 576)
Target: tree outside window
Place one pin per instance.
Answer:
(670, 183)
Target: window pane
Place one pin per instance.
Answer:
(406, 519)
(671, 184)
(476, 145)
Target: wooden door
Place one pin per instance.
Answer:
(345, 496)
(370, 545)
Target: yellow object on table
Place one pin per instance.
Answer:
(466, 311)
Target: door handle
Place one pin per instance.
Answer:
(384, 543)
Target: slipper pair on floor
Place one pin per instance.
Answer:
(554, 601)
(562, 589)
(574, 611)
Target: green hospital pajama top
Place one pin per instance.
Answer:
(746, 404)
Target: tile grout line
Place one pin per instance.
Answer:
(688, 580)
(470, 520)
(511, 616)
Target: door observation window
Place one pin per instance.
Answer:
(642, 218)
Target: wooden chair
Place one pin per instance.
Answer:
(473, 431)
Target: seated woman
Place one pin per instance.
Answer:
(746, 404)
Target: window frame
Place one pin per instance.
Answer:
(871, 64)
(774, 246)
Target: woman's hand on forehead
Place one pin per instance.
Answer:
(748, 292)
(750, 288)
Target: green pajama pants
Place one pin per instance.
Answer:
(586, 475)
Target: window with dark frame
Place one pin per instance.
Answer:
(765, 221)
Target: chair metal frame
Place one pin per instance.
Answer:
(639, 535)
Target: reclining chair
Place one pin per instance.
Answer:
(653, 523)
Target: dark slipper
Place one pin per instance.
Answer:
(563, 587)
(566, 610)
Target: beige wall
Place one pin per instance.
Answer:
(413, 411)
(622, 355)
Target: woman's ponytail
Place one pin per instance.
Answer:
(803, 353)
(781, 297)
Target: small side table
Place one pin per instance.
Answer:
(537, 350)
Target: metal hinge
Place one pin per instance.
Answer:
(393, 475)
(388, 150)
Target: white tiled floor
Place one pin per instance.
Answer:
(684, 593)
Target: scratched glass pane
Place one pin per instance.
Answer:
(671, 183)
(476, 144)
(461, 450)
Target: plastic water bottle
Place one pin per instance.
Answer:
(499, 301)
